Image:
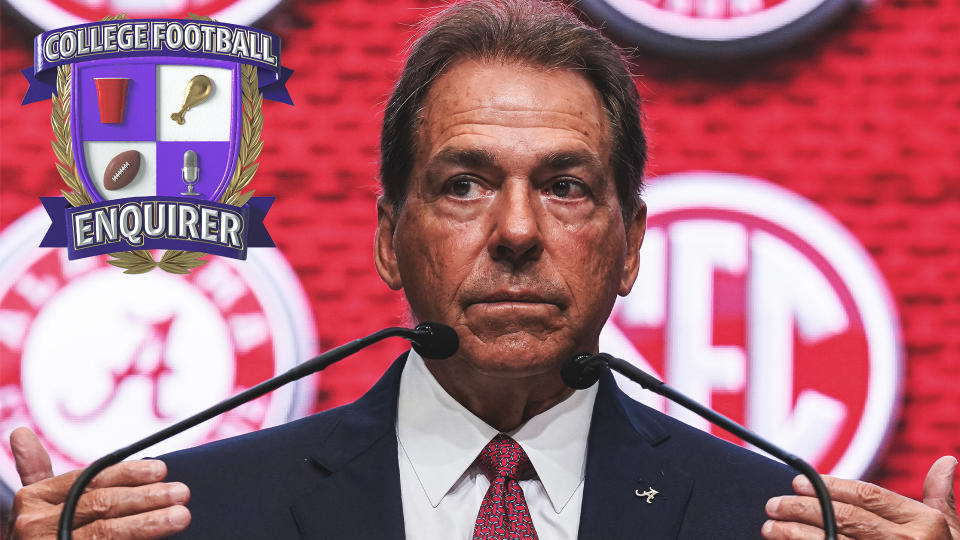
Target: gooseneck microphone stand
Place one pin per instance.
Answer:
(583, 371)
(431, 340)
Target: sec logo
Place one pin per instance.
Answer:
(93, 360)
(714, 29)
(757, 303)
(49, 14)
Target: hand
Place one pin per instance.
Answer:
(867, 512)
(126, 500)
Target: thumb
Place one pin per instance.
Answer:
(938, 491)
(33, 463)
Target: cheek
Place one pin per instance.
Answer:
(591, 260)
(434, 259)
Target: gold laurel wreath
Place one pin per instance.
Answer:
(173, 261)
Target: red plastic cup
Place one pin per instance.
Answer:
(112, 97)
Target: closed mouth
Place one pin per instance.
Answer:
(514, 297)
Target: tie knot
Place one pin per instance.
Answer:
(504, 457)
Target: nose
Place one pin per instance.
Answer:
(516, 238)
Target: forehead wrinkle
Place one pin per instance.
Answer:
(528, 118)
(576, 142)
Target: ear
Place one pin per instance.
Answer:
(636, 228)
(384, 254)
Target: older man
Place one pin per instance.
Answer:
(512, 159)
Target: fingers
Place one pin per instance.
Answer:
(123, 501)
(33, 465)
(126, 500)
(780, 530)
(867, 512)
(128, 473)
(103, 512)
(851, 520)
(938, 485)
(882, 502)
(145, 526)
(131, 473)
(938, 490)
(32, 461)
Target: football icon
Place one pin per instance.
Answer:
(121, 170)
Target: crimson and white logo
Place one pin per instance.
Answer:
(759, 304)
(50, 14)
(714, 29)
(92, 359)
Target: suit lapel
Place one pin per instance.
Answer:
(358, 488)
(628, 450)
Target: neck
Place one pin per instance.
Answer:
(504, 403)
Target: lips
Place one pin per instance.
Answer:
(519, 297)
(515, 297)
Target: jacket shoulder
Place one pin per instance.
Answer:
(713, 451)
(247, 486)
(243, 486)
(730, 484)
(278, 440)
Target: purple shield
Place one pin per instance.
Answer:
(155, 89)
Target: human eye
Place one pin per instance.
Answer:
(465, 187)
(566, 188)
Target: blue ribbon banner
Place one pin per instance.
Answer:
(122, 38)
(157, 223)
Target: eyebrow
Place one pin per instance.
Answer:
(470, 158)
(571, 159)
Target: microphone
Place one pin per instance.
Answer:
(190, 169)
(430, 340)
(584, 370)
(435, 340)
(190, 172)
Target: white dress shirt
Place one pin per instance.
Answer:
(440, 485)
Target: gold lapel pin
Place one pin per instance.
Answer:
(649, 494)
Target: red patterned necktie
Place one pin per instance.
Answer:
(504, 514)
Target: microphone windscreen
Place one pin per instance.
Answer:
(581, 371)
(435, 340)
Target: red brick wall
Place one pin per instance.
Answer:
(864, 120)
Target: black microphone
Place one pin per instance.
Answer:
(430, 340)
(435, 340)
(583, 370)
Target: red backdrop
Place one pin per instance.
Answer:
(864, 120)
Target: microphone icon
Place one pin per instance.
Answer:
(190, 172)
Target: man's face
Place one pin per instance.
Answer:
(512, 232)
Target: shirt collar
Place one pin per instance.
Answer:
(442, 438)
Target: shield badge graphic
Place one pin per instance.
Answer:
(157, 134)
(145, 127)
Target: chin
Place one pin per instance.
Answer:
(514, 355)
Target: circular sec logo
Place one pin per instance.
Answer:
(714, 29)
(755, 302)
(50, 14)
(92, 360)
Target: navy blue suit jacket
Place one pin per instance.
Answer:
(335, 475)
